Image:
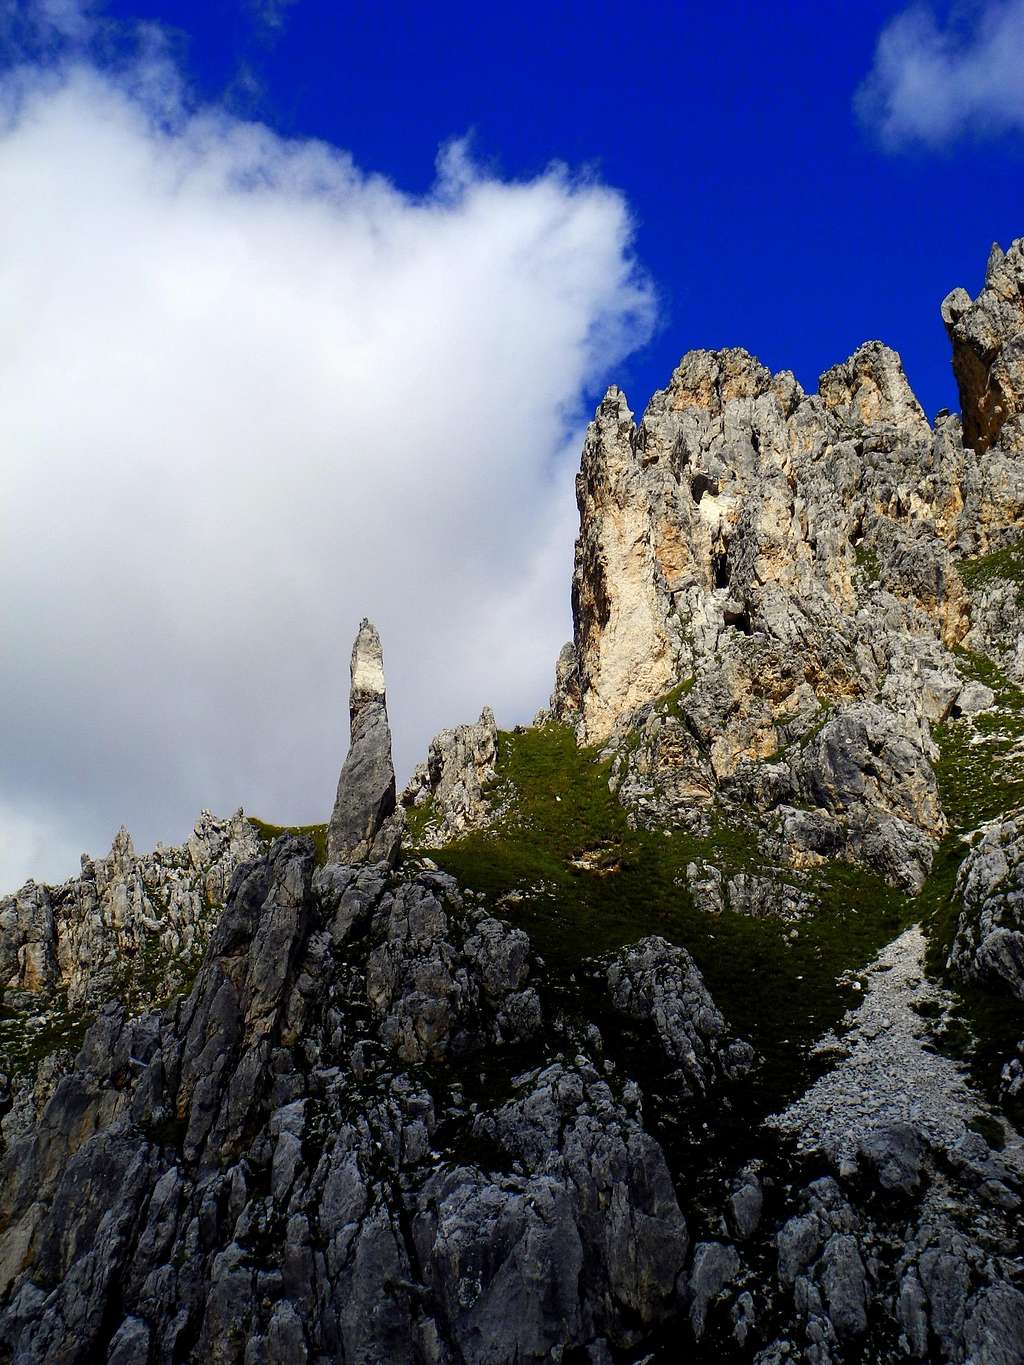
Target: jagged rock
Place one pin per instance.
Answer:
(988, 352)
(380, 1127)
(660, 984)
(996, 626)
(245, 1172)
(974, 697)
(460, 764)
(871, 390)
(745, 1205)
(895, 1154)
(750, 556)
(92, 935)
(626, 648)
(988, 946)
(365, 824)
(864, 762)
(715, 1265)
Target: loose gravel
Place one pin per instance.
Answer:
(888, 1070)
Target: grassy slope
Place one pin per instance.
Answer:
(780, 993)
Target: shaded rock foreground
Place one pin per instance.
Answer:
(284, 1166)
(371, 1134)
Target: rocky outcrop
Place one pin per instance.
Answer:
(989, 943)
(382, 1126)
(450, 788)
(365, 824)
(988, 352)
(658, 983)
(128, 921)
(767, 591)
(369, 1133)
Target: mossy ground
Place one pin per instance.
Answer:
(779, 992)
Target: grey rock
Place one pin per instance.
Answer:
(895, 1154)
(453, 782)
(89, 936)
(715, 1266)
(659, 983)
(988, 351)
(745, 1205)
(974, 697)
(843, 1281)
(365, 824)
(994, 1331)
(988, 946)
(168, 1197)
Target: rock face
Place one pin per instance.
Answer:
(369, 1133)
(766, 593)
(239, 1178)
(365, 825)
(398, 1119)
(126, 914)
(450, 786)
(989, 942)
(657, 982)
(988, 352)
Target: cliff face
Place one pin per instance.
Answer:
(988, 352)
(790, 563)
(653, 1047)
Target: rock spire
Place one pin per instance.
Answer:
(987, 334)
(365, 825)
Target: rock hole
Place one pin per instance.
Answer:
(739, 619)
(703, 483)
(720, 568)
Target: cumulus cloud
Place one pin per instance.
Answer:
(932, 83)
(248, 393)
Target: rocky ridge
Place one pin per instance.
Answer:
(588, 1093)
(86, 936)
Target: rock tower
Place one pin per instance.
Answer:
(365, 825)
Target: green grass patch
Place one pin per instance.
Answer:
(868, 562)
(27, 1035)
(417, 818)
(267, 833)
(778, 992)
(669, 704)
(1006, 564)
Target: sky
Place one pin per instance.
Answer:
(306, 306)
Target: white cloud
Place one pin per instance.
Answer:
(248, 394)
(933, 84)
(270, 14)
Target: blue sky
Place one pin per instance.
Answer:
(767, 213)
(306, 306)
